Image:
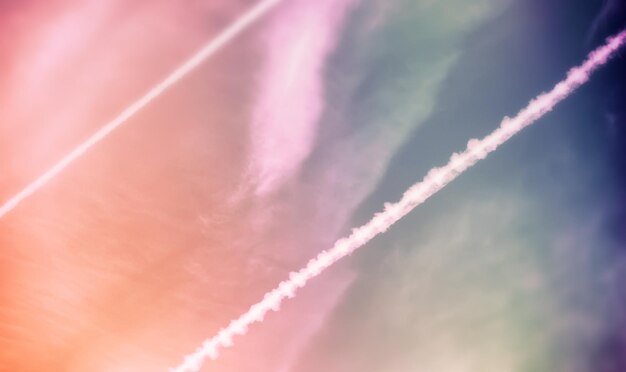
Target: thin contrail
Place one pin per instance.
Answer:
(207, 51)
(435, 180)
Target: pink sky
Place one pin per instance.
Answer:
(133, 254)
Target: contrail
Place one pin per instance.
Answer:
(435, 180)
(213, 46)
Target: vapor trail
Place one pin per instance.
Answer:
(213, 46)
(435, 180)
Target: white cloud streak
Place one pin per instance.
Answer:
(212, 47)
(435, 180)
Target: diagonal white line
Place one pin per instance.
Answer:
(213, 46)
(435, 180)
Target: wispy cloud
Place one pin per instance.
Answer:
(290, 97)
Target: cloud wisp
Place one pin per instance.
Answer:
(290, 98)
(435, 180)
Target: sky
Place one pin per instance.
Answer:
(297, 131)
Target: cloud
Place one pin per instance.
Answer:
(290, 96)
(386, 83)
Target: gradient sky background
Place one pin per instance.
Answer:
(274, 148)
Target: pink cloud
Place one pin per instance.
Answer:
(290, 97)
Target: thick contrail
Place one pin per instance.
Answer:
(435, 180)
(247, 19)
